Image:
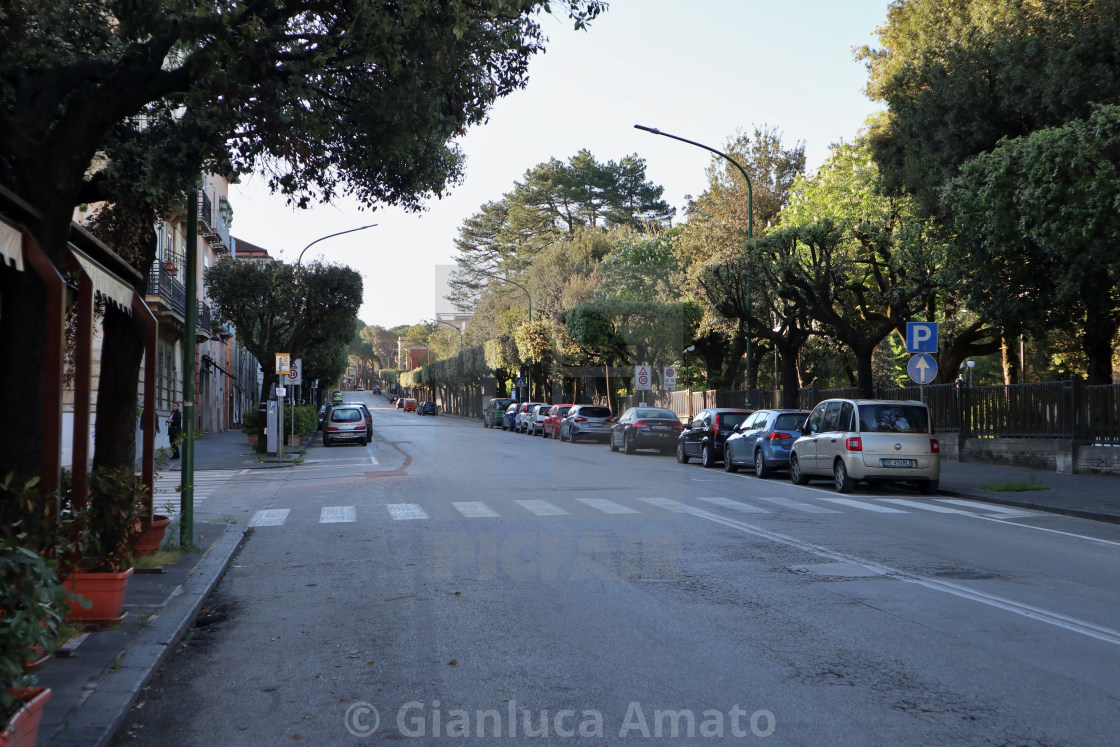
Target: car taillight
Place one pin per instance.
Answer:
(854, 444)
(678, 427)
(360, 428)
(609, 420)
(638, 426)
(778, 436)
(332, 427)
(934, 446)
(579, 419)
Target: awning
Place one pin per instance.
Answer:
(11, 246)
(105, 283)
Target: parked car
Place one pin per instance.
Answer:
(322, 416)
(493, 411)
(520, 424)
(359, 388)
(365, 412)
(645, 428)
(853, 440)
(409, 404)
(376, 389)
(345, 423)
(400, 402)
(427, 407)
(509, 417)
(703, 438)
(534, 423)
(763, 441)
(336, 397)
(586, 421)
(556, 413)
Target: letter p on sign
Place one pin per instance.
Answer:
(921, 337)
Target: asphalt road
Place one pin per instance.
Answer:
(452, 584)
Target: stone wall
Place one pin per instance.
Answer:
(1053, 454)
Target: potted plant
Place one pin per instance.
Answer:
(32, 600)
(250, 424)
(96, 543)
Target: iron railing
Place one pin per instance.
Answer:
(211, 224)
(162, 283)
(1057, 409)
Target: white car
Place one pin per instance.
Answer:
(534, 421)
(521, 423)
(850, 440)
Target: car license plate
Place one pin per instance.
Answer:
(594, 425)
(660, 428)
(898, 462)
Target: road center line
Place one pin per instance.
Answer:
(1071, 624)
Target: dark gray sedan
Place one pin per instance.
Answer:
(646, 428)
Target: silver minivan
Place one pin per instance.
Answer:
(853, 440)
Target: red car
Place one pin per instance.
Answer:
(552, 422)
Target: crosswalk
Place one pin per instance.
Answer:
(524, 508)
(166, 496)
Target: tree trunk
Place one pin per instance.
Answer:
(788, 360)
(1097, 342)
(23, 348)
(117, 404)
(865, 379)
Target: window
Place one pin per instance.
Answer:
(831, 419)
(729, 420)
(891, 418)
(789, 421)
(816, 417)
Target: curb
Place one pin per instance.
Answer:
(1010, 502)
(102, 712)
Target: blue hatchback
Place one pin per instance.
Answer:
(763, 441)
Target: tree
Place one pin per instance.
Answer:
(278, 308)
(104, 100)
(554, 202)
(959, 75)
(1039, 234)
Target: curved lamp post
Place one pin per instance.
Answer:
(449, 324)
(330, 236)
(750, 217)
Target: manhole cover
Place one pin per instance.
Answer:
(966, 575)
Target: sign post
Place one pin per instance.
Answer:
(669, 378)
(642, 380)
(921, 339)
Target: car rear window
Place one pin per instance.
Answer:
(656, 414)
(790, 421)
(595, 412)
(729, 420)
(893, 419)
(563, 411)
(346, 416)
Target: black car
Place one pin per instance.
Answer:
(322, 416)
(704, 436)
(426, 408)
(645, 428)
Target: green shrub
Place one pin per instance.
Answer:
(307, 419)
(251, 421)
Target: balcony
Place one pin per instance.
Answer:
(165, 293)
(212, 225)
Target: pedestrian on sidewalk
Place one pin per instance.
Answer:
(174, 428)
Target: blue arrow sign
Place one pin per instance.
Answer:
(921, 337)
(922, 368)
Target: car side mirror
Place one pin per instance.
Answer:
(687, 426)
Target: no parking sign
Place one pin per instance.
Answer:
(669, 378)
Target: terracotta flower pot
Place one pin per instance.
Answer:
(23, 729)
(253, 438)
(104, 592)
(150, 540)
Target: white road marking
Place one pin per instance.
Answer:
(988, 508)
(795, 505)
(474, 509)
(270, 517)
(607, 507)
(406, 511)
(665, 503)
(926, 506)
(338, 514)
(542, 508)
(737, 505)
(862, 505)
(1072, 624)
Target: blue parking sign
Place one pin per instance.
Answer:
(921, 337)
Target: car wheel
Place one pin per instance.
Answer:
(729, 463)
(844, 482)
(795, 474)
(761, 471)
(363, 442)
(613, 447)
(681, 456)
(326, 442)
(627, 445)
(928, 487)
(707, 456)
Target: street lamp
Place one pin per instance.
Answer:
(750, 218)
(529, 375)
(330, 236)
(449, 324)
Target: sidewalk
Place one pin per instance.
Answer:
(228, 450)
(93, 690)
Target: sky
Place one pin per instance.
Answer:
(702, 70)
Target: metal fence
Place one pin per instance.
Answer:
(1057, 409)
